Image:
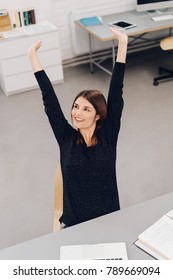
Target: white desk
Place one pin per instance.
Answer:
(137, 35)
(124, 225)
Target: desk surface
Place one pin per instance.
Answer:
(124, 225)
(144, 23)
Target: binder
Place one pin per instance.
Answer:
(91, 21)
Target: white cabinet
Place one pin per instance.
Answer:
(15, 70)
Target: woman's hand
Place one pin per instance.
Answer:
(34, 48)
(122, 38)
(119, 33)
(33, 57)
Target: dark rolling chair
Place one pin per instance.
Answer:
(164, 73)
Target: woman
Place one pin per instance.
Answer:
(88, 151)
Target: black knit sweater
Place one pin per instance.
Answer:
(89, 174)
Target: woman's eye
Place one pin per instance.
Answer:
(86, 109)
(75, 106)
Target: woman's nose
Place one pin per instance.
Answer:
(79, 112)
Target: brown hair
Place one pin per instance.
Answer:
(97, 99)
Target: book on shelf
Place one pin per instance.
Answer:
(22, 17)
(91, 21)
(5, 23)
(26, 18)
(157, 240)
(31, 16)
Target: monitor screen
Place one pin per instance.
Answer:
(147, 5)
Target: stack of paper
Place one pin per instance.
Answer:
(157, 240)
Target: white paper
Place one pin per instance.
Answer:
(159, 237)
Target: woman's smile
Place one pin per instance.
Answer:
(78, 119)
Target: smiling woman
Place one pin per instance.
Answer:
(88, 148)
(84, 115)
(89, 110)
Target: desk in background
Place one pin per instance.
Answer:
(136, 35)
(124, 225)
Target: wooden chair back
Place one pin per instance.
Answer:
(58, 198)
(167, 43)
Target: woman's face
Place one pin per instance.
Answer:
(84, 114)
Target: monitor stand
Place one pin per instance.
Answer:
(157, 12)
(153, 12)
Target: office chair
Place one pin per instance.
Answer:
(164, 73)
(58, 199)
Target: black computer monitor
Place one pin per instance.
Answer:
(149, 5)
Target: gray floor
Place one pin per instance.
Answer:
(29, 153)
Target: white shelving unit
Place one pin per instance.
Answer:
(15, 70)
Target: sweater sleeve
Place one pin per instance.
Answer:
(52, 107)
(115, 101)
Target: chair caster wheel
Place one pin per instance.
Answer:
(155, 83)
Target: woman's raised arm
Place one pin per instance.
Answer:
(115, 100)
(52, 107)
(33, 57)
(122, 38)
